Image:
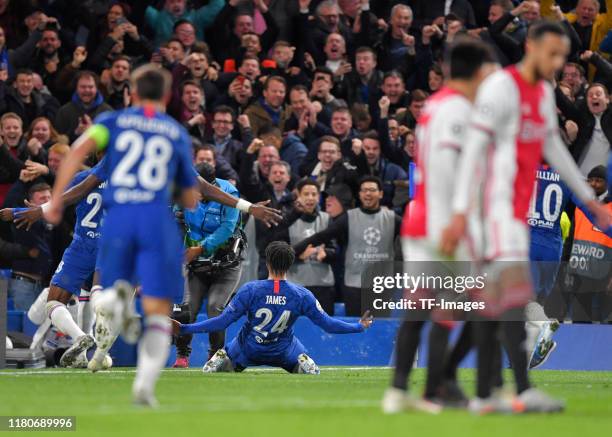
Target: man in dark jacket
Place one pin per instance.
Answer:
(87, 103)
(364, 81)
(49, 59)
(25, 101)
(592, 145)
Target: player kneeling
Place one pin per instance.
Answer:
(272, 306)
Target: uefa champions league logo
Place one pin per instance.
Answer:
(371, 236)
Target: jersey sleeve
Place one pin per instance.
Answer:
(186, 176)
(451, 133)
(78, 178)
(100, 171)
(488, 118)
(313, 310)
(101, 129)
(492, 103)
(234, 310)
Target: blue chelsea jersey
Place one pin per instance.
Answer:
(148, 153)
(548, 201)
(272, 307)
(89, 211)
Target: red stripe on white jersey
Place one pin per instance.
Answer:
(414, 223)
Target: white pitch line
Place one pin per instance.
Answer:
(128, 371)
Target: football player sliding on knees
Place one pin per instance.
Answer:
(272, 306)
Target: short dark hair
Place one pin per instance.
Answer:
(418, 96)
(577, 66)
(506, 5)
(370, 178)
(182, 21)
(37, 188)
(324, 70)
(224, 109)
(250, 57)
(395, 74)
(151, 82)
(366, 49)
(541, 28)
(371, 135)
(344, 109)
(200, 147)
(25, 71)
(122, 58)
(598, 85)
(436, 69)
(191, 82)
(279, 257)
(466, 56)
(307, 181)
(269, 129)
(298, 87)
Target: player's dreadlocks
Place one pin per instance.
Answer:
(279, 257)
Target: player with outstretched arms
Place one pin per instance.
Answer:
(513, 127)
(272, 306)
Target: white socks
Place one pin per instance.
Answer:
(62, 319)
(153, 351)
(534, 312)
(86, 314)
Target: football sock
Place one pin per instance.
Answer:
(38, 310)
(485, 338)
(86, 314)
(62, 319)
(459, 351)
(438, 341)
(405, 350)
(514, 333)
(497, 380)
(153, 351)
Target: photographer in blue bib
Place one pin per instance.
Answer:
(214, 242)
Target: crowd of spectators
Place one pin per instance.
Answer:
(272, 92)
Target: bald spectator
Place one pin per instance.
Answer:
(313, 34)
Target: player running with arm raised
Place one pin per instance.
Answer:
(272, 306)
(148, 155)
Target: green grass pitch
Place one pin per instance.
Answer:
(339, 402)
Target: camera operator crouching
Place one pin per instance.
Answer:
(214, 242)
